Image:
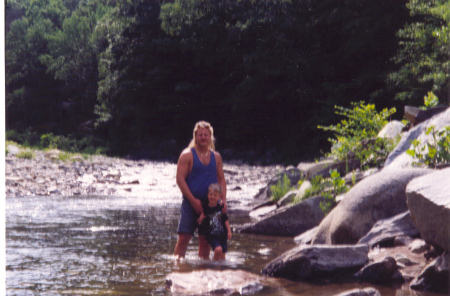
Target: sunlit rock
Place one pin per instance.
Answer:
(428, 199)
(214, 282)
(398, 157)
(391, 130)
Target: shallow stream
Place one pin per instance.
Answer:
(114, 245)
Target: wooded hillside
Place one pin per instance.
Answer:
(140, 73)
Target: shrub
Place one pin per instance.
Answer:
(357, 133)
(339, 187)
(329, 188)
(283, 186)
(430, 101)
(435, 152)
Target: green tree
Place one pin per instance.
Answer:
(424, 54)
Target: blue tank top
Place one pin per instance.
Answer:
(201, 176)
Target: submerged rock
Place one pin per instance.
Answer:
(317, 263)
(380, 272)
(361, 292)
(435, 276)
(214, 282)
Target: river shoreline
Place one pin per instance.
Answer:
(45, 175)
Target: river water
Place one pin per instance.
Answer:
(117, 245)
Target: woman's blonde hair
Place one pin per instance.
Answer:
(207, 125)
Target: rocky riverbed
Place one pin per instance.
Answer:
(101, 175)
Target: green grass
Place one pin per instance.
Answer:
(26, 154)
(283, 186)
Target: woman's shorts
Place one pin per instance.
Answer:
(188, 219)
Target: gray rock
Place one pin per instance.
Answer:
(416, 115)
(306, 237)
(361, 292)
(401, 259)
(435, 276)
(289, 221)
(428, 199)
(419, 246)
(288, 198)
(391, 130)
(318, 262)
(12, 150)
(213, 282)
(398, 157)
(301, 191)
(323, 168)
(378, 272)
(402, 240)
(377, 197)
(293, 174)
(386, 230)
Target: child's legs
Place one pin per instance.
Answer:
(224, 245)
(218, 255)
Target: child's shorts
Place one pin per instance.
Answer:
(216, 241)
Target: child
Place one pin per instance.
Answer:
(215, 223)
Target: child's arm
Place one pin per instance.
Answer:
(201, 218)
(227, 224)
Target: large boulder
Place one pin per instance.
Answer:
(379, 196)
(290, 220)
(214, 282)
(318, 263)
(398, 157)
(385, 231)
(428, 199)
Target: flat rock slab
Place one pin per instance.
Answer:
(318, 263)
(214, 282)
(290, 220)
(386, 230)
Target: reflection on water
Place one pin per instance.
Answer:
(119, 246)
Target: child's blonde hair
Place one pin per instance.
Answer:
(215, 187)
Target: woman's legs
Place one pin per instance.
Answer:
(182, 243)
(203, 247)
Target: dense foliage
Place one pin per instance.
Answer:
(424, 53)
(140, 73)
